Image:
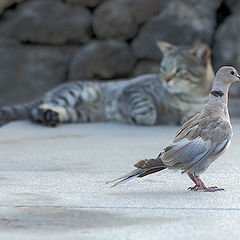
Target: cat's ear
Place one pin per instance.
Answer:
(164, 47)
(202, 52)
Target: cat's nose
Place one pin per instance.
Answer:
(168, 77)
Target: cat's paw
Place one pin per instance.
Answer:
(144, 117)
(144, 113)
(46, 116)
(50, 118)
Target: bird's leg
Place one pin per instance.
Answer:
(192, 177)
(207, 189)
(200, 186)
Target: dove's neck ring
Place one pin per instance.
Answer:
(219, 92)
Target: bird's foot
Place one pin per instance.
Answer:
(205, 189)
(213, 189)
(194, 188)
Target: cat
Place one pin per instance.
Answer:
(177, 92)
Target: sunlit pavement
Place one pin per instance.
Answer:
(53, 186)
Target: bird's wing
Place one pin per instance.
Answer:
(196, 142)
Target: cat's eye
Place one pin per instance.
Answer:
(232, 72)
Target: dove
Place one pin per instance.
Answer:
(199, 142)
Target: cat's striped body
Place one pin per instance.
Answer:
(144, 100)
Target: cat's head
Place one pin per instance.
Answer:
(186, 71)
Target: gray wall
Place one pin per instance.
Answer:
(47, 42)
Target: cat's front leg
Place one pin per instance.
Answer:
(144, 113)
(50, 114)
(140, 109)
(67, 103)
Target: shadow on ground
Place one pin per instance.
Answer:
(55, 218)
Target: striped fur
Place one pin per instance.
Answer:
(179, 89)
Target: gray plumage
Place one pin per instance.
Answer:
(200, 140)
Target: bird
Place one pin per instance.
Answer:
(200, 140)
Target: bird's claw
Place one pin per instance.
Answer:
(213, 189)
(194, 188)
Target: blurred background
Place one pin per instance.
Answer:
(47, 42)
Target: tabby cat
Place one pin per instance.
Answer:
(169, 97)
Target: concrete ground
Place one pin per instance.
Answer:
(52, 186)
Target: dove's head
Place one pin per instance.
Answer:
(227, 75)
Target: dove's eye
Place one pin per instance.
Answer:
(232, 72)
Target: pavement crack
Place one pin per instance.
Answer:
(127, 207)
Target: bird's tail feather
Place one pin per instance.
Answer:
(144, 167)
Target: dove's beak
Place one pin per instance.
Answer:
(238, 77)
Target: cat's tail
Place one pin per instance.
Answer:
(144, 167)
(17, 112)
